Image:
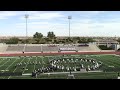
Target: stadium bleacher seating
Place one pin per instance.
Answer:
(49, 48)
(15, 48)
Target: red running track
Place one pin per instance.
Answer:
(56, 53)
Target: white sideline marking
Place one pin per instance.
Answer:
(27, 74)
(4, 70)
(110, 66)
(9, 57)
(69, 72)
(118, 77)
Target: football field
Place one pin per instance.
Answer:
(22, 67)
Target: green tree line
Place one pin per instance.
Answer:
(51, 38)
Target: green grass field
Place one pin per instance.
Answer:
(110, 67)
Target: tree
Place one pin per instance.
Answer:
(42, 41)
(38, 35)
(77, 38)
(69, 40)
(90, 40)
(51, 35)
(13, 40)
(82, 40)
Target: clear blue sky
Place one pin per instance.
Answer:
(83, 23)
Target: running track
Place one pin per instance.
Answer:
(55, 53)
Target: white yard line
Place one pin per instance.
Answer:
(25, 67)
(16, 68)
(35, 64)
(20, 62)
(48, 58)
(1, 61)
(9, 66)
(4, 63)
(42, 62)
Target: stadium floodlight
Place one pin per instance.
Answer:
(26, 16)
(69, 17)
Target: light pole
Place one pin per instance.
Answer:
(26, 16)
(69, 17)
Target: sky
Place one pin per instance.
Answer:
(83, 23)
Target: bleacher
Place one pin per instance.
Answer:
(33, 49)
(3, 47)
(49, 48)
(15, 48)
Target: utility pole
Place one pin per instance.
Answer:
(69, 17)
(26, 16)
